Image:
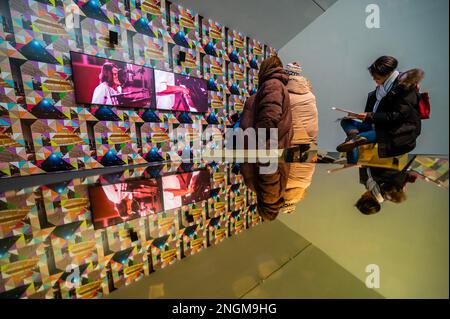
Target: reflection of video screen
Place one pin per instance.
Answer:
(117, 203)
(109, 82)
(186, 188)
(175, 92)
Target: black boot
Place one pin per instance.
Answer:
(350, 144)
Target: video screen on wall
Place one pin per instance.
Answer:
(176, 92)
(186, 188)
(116, 203)
(109, 82)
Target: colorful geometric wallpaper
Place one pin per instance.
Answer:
(42, 129)
(49, 247)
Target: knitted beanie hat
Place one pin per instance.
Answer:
(293, 68)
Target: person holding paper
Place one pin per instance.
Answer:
(391, 118)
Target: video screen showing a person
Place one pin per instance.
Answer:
(175, 92)
(186, 188)
(113, 83)
(116, 203)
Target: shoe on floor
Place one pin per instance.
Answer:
(349, 145)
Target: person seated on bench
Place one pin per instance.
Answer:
(391, 118)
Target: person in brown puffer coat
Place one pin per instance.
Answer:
(269, 188)
(271, 103)
(247, 116)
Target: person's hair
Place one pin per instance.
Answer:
(383, 66)
(106, 75)
(269, 64)
(367, 204)
(411, 177)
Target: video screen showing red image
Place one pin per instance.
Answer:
(186, 188)
(176, 92)
(116, 203)
(113, 83)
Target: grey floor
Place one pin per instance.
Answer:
(268, 261)
(322, 250)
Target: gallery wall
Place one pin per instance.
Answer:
(43, 128)
(336, 49)
(51, 246)
(48, 245)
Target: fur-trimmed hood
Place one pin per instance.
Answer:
(410, 79)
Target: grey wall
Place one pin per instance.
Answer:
(336, 49)
(273, 22)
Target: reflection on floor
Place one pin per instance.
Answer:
(432, 169)
(408, 241)
(56, 243)
(267, 261)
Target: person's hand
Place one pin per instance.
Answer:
(362, 116)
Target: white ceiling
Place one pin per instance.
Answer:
(273, 22)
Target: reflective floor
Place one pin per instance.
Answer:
(194, 231)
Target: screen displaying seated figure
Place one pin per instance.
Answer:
(116, 203)
(176, 92)
(186, 188)
(113, 83)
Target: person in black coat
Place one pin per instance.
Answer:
(391, 117)
(382, 185)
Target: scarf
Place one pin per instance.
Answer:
(373, 187)
(383, 90)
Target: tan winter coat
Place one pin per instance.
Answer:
(304, 111)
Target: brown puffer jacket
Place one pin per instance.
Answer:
(269, 188)
(247, 117)
(272, 106)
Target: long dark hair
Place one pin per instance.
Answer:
(267, 65)
(367, 204)
(106, 75)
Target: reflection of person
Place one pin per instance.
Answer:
(129, 199)
(118, 194)
(185, 188)
(281, 191)
(178, 186)
(108, 89)
(391, 117)
(382, 185)
(303, 106)
(299, 179)
(269, 188)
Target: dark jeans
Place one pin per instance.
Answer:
(364, 130)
